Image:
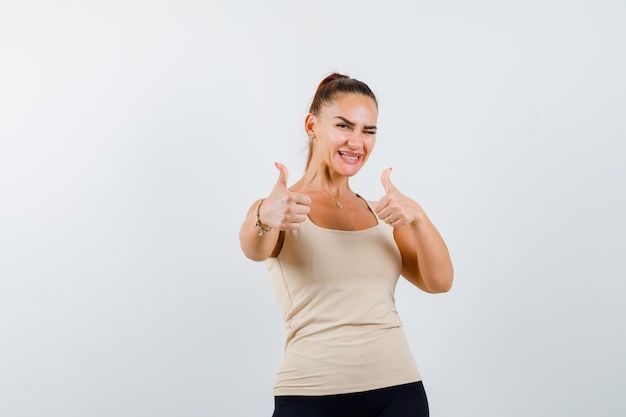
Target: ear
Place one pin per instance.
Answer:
(310, 125)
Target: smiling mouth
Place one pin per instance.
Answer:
(352, 157)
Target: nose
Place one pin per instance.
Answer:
(355, 140)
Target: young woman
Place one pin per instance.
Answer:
(334, 259)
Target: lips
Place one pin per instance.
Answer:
(350, 156)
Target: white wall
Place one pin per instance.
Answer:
(135, 134)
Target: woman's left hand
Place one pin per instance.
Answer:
(394, 208)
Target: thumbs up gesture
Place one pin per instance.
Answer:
(394, 208)
(284, 209)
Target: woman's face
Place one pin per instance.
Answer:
(345, 133)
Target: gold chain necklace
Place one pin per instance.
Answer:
(337, 203)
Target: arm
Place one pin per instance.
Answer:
(255, 245)
(426, 261)
(281, 210)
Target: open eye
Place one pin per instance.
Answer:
(342, 125)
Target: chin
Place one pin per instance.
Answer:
(349, 172)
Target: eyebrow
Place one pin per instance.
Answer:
(349, 123)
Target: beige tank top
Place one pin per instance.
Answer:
(335, 289)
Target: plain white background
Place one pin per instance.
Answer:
(134, 135)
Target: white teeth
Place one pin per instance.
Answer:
(349, 156)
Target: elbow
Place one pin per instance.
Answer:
(442, 284)
(441, 288)
(253, 256)
(256, 258)
(251, 251)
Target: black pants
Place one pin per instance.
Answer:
(407, 400)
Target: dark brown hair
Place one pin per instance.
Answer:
(332, 86)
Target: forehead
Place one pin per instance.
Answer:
(351, 105)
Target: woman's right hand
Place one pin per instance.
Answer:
(284, 209)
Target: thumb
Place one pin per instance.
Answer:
(384, 179)
(283, 176)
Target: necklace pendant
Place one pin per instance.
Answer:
(339, 204)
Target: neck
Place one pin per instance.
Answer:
(337, 186)
(335, 191)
